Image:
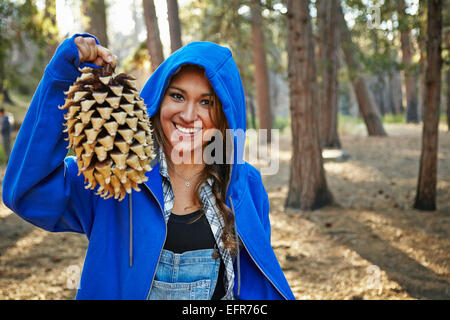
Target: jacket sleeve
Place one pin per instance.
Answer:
(41, 184)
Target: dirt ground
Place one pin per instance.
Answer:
(372, 245)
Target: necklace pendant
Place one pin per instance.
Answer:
(187, 183)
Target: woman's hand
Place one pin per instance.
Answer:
(89, 51)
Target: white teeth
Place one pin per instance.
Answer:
(187, 130)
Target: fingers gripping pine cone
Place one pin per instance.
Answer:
(109, 129)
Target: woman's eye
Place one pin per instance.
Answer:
(177, 96)
(206, 102)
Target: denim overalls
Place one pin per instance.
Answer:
(191, 275)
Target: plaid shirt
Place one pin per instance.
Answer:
(212, 214)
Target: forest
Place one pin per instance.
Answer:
(354, 95)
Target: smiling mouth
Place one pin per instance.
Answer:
(186, 130)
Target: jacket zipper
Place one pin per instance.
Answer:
(261, 269)
(165, 237)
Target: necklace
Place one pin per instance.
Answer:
(187, 183)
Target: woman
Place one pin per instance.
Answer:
(144, 246)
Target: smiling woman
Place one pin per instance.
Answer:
(196, 109)
(195, 227)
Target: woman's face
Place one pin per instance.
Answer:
(186, 112)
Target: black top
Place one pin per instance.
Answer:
(189, 232)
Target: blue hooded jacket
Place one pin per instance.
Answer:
(42, 185)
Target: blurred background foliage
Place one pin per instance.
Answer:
(30, 30)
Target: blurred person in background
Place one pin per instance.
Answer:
(6, 126)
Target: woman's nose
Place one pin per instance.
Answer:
(189, 114)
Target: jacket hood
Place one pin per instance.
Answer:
(224, 76)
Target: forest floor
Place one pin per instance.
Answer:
(372, 245)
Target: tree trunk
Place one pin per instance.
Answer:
(154, 45)
(447, 78)
(251, 107)
(308, 188)
(261, 74)
(94, 19)
(354, 108)
(321, 8)
(390, 93)
(329, 66)
(421, 40)
(137, 21)
(426, 187)
(448, 98)
(52, 29)
(366, 102)
(412, 108)
(174, 25)
(395, 91)
(379, 85)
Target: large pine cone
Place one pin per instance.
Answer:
(109, 129)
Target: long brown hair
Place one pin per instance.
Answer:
(219, 172)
